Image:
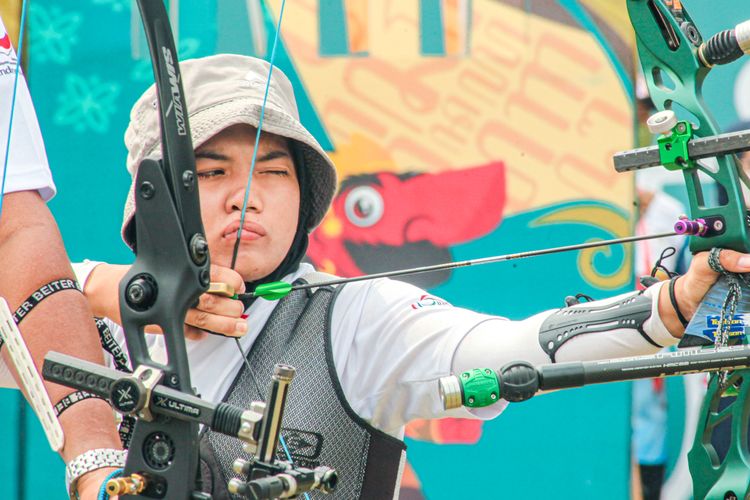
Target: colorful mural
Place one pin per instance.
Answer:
(433, 87)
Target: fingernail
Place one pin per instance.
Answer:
(240, 328)
(744, 261)
(243, 316)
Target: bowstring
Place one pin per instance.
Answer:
(246, 196)
(246, 199)
(21, 31)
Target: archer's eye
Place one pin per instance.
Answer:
(282, 172)
(363, 206)
(205, 174)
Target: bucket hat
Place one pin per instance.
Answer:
(221, 91)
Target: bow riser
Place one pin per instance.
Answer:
(669, 46)
(170, 272)
(655, 26)
(714, 476)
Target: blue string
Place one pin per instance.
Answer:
(13, 102)
(289, 456)
(257, 135)
(103, 495)
(250, 178)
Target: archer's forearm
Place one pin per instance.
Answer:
(33, 254)
(495, 343)
(668, 314)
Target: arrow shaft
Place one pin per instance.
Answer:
(486, 260)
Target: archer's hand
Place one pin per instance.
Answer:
(213, 313)
(217, 314)
(693, 286)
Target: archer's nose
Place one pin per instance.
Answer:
(240, 198)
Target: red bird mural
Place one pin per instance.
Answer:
(386, 221)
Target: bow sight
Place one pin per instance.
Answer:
(170, 272)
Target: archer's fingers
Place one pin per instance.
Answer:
(735, 262)
(222, 306)
(229, 276)
(224, 325)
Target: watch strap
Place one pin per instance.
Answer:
(90, 461)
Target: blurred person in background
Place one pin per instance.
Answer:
(657, 213)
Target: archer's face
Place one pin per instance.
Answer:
(223, 166)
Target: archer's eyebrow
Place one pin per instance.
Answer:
(273, 155)
(211, 155)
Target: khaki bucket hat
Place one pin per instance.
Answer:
(221, 91)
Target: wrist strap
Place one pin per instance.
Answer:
(112, 347)
(673, 300)
(122, 364)
(42, 293)
(39, 295)
(71, 399)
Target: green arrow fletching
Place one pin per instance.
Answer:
(273, 291)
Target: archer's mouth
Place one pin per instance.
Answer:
(250, 231)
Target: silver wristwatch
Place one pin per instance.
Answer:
(90, 461)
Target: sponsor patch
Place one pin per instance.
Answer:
(429, 301)
(737, 326)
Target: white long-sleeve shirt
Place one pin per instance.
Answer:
(392, 342)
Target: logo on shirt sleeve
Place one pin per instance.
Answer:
(429, 301)
(7, 55)
(5, 41)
